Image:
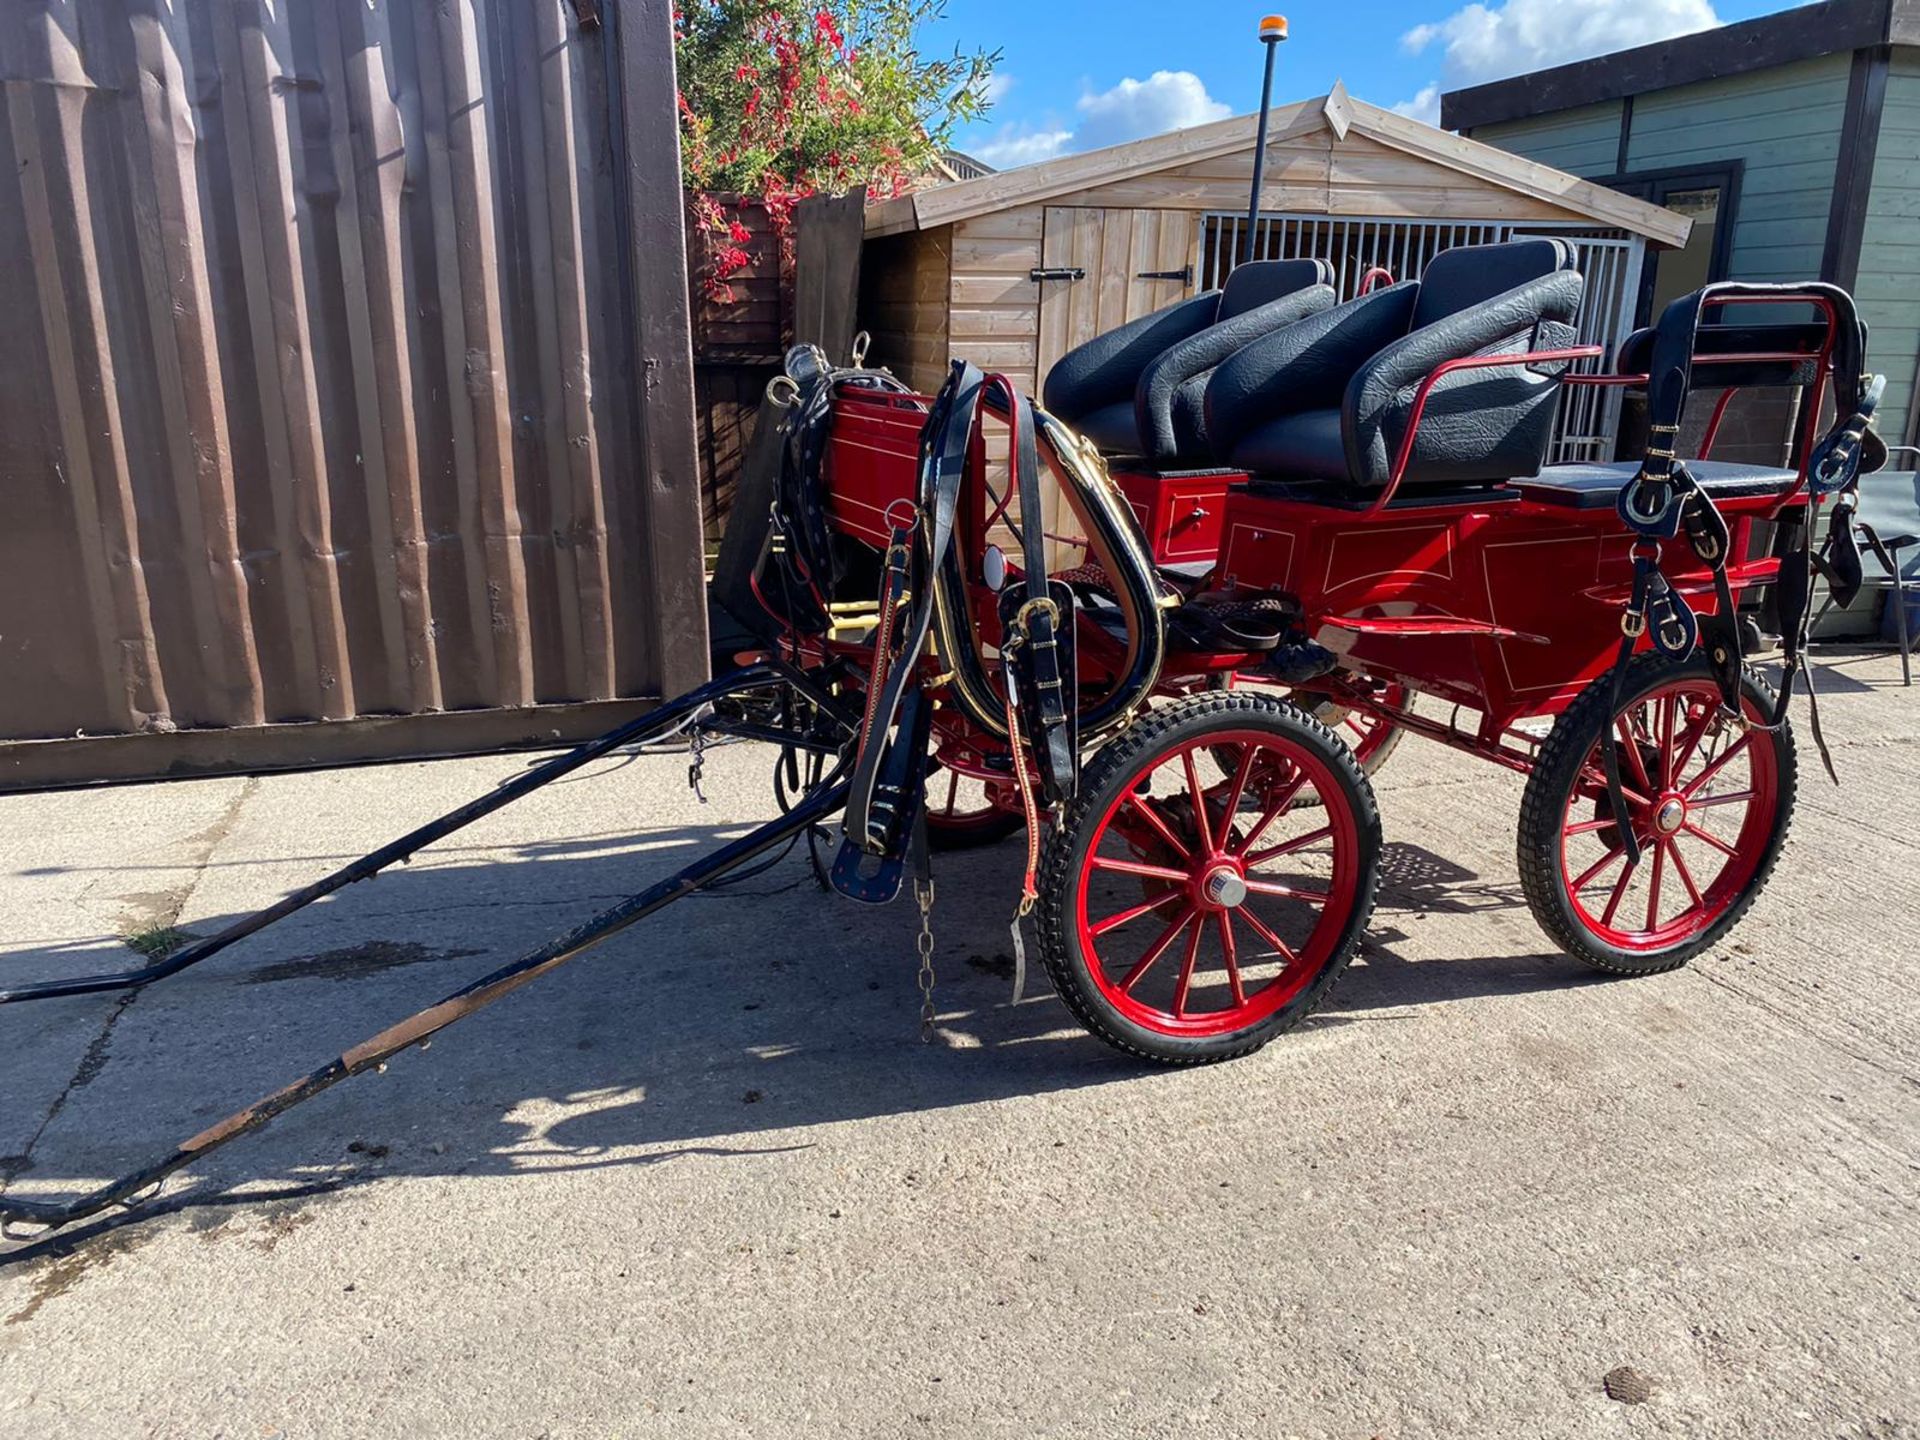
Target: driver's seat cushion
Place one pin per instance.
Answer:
(1308, 445)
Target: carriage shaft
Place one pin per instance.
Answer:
(376, 1050)
(650, 726)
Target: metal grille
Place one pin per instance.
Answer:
(1589, 418)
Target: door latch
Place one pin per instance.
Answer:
(1057, 272)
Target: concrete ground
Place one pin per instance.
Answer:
(703, 1182)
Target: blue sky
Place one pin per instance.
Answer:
(1078, 74)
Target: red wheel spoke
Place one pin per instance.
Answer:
(1738, 747)
(1287, 847)
(1595, 775)
(1199, 796)
(1287, 892)
(1593, 872)
(1733, 797)
(1679, 747)
(1141, 868)
(1690, 741)
(1237, 792)
(1686, 875)
(1186, 974)
(1144, 923)
(1260, 929)
(1159, 948)
(1229, 955)
(1114, 922)
(1152, 816)
(1714, 840)
(1619, 892)
(1634, 757)
(1587, 827)
(1275, 810)
(1668, 717)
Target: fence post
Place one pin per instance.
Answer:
(669, 485)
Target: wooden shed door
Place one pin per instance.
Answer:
(1119, 250)
(1126, 255)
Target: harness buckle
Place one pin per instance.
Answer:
(1633, 624)
(1039, 604)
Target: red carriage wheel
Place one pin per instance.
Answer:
(1212, 879)
(1709, 799)
(1371, 738)
(962, 811)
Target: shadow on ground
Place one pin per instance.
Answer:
(731, 1024)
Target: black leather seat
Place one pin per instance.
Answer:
(1330, 397)
(1140, 390)
(1596, 485)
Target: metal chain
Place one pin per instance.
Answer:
(699, 766)
(923, 892)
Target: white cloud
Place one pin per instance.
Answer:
(1425, 105)
(995, 87)
(1165, 100)
(1482, 43)
(1016, 144)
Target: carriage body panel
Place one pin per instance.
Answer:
(1499, 603)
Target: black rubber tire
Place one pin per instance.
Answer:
(1330, 714)
(1544, 804)
(1120, 763)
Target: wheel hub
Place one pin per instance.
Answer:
(1224, 887)
(1670, 815)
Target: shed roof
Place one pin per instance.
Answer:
(1336, 111)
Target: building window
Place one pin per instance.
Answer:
(1709, 197)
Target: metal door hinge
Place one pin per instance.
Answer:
(1183, 275)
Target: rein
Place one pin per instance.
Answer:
(1664, 502)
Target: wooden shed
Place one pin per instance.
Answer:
(1013, 270)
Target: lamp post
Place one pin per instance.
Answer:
(1273, 29)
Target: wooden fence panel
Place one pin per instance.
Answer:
(347, 369)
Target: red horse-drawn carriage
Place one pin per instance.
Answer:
(1165, 625)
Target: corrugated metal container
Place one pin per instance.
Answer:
(347, 368)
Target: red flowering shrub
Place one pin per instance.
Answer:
(782, 100)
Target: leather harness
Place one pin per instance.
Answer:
(1664, 500)
(888, 784)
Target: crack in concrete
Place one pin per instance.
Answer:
(164, 908)
(93, 1059)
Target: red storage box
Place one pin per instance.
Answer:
(1179, 514)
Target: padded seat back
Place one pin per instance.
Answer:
(1331, 397)
(1261, 282)
(1137, 390)
(1458, 279)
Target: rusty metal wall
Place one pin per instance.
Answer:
(344, 362)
